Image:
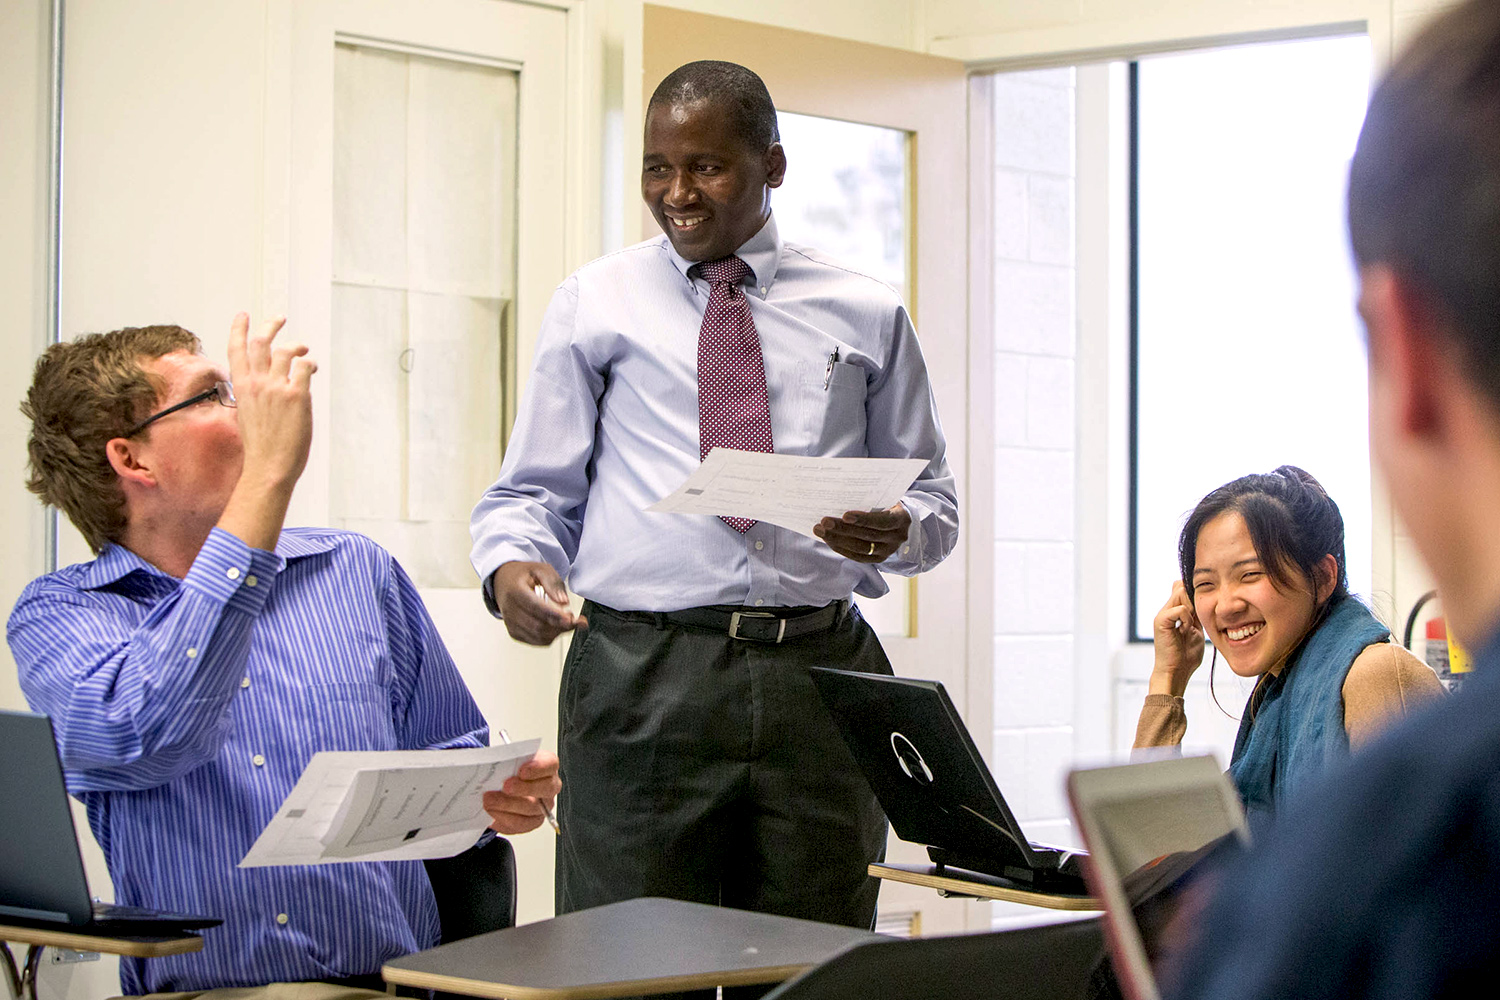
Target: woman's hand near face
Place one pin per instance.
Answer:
(1177, 637)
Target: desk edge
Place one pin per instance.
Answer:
(983, 890)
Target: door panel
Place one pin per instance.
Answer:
(389, 279)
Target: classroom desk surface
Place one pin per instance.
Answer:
(624, 949)
(956, 882)
(23, 983)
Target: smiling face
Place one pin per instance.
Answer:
(707, 188)
(1254, 622)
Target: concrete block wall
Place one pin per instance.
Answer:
(1034, 418)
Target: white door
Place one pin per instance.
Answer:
(425, 141)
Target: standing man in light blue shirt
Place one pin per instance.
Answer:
(699, 762)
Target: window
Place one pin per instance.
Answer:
(1247, 351)
(846, 194)
(423, 284)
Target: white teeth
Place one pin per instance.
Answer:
(685, 223)
(1244, 633)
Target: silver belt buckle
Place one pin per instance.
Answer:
(734, 625)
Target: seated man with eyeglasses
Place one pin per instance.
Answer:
(194, 667)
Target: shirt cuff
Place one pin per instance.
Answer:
(234, 574)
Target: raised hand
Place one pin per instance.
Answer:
(1177, 639)
(273, 396)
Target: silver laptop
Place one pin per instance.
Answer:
(42, 882)
(1141, 819)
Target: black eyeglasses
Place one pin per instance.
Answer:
(221, 391)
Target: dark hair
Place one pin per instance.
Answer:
(737, 89)
(1293, 524)
(83, 393)
(1424, 184)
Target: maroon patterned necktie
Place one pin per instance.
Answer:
(734, 409)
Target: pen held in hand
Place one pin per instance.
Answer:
(546, 809)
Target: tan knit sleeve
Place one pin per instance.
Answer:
(1163, 722)
(1384, 684)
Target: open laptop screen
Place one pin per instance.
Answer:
(1149, 828)
(41, 871)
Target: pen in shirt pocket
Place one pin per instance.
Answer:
(833, 359)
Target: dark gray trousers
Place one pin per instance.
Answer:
(705, 768)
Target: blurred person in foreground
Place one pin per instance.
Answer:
(1383, 879)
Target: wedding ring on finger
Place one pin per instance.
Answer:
(872, 549)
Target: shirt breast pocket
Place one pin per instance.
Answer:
(834, 409)
(351, 716)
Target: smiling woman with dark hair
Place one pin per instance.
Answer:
(1263, 576)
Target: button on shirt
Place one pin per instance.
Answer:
(609, 425)
(181, 762)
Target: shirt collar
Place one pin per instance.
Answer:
(116, 562)
(761, 251)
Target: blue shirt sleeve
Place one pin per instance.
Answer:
(538, 516)
(432, 707)
(136, 704)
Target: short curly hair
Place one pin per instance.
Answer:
(83, 393)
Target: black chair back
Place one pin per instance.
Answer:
(475, 890)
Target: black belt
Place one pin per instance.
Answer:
(753, 624)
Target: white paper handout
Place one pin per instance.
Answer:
(792, 491)
(386, 805)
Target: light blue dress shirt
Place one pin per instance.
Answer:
(185, 710)
(609, 425)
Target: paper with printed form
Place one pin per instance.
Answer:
(386, 805)
(793, 491)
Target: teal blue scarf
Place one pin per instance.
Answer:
(1298, 725)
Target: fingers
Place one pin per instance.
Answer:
(258, 346)
(302, 371)
(517, 806)
(510, 814)
(890, 519)
(534, 602)
(867, 536)
(1182, 597)
(532, 782)
(239, 328)
(282, 358)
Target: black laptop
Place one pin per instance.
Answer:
(41, 870)
(932, 782)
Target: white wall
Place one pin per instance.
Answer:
(1035, 339)
(23, 280)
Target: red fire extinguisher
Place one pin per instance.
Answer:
(1440, 650)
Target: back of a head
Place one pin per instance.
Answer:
(1424, 184)
(83, 393)
(738, 90)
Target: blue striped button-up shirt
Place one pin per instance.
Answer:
(186, 709)
(609, 425)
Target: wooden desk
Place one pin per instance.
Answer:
(23, 984)
(956, 882)
(625, 949)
